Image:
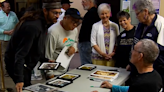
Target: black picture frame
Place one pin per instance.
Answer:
(69, 79)
(87, 67)
(59, 83)
(46, 66)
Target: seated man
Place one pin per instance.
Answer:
(143, 56)
(61, 34)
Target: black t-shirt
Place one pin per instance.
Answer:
(89, 19)
(146, 82)
(124, 43)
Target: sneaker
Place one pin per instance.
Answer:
(50, 77)
(6, 74)
(33, 77)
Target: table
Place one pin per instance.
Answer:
(82, 84)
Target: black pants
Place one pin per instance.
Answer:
(27, 76)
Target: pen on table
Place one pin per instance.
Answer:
(95, 86)
(116, 70)
(96, 80)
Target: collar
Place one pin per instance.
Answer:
(153, 21)
(62, 10)
(44, 22)
(92, 8)
(4, 12)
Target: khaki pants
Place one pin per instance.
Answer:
(4, 46)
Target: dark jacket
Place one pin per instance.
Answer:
(26, 48)
(89, 19)
(151, 32)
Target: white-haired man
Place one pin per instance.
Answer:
(89, 19)
(143, 56)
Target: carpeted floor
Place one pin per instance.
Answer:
(75, 62)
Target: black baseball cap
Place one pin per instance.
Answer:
(73, 13)
(65, 2)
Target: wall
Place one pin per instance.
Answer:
(77, 4)
(162, 8)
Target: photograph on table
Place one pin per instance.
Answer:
(57, 90)
(100, 78)
(69, 76)
(59, 83)
(110, 74)
(87, 67)
(49, 66)
(40, 88)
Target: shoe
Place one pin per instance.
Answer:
(33, 77)
(6, 74)
(49, 77)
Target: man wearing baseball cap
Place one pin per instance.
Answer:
(65, 6)
(61, 34)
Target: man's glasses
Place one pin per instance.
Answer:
(138, 13)
(56, 13)
(77, 23)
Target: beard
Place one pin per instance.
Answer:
(50, 19)
(86, 7)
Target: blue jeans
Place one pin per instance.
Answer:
(85, 52)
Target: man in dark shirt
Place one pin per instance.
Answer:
(26, 46)
(89, 19)
(143, 56)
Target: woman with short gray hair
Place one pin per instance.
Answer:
(103, 37)
(150, 27)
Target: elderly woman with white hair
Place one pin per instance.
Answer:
(103, 37)
(151, 26)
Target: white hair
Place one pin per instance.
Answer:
(144, 4)
(150, 50)
(102, 7)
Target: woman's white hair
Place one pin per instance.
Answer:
(102, 7)
(144, 4)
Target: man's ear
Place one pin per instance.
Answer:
(45, 11)
(141, 56)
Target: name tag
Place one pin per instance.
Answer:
(149, 35)
(123, 35)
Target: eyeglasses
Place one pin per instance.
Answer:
(137, 51)
(84, 1)
(77, 23)
(138, 13)
(56, 13)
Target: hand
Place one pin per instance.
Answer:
(71, 51)
(111, 54)
(51, 61)
(19, 86)
(8, 32)
(128, 67)
(106, 84)
(106, 56)
(11, 32)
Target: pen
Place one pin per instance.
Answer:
(95, 86)
(96, 80)
(116, 70)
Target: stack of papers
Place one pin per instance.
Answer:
(104, 75)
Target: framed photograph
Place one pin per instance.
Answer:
(110, 74)
(100, 78)
(56, 90)
(87, 67)
(49, 66)
(59, 83)
(40, 88)
(69, 76)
